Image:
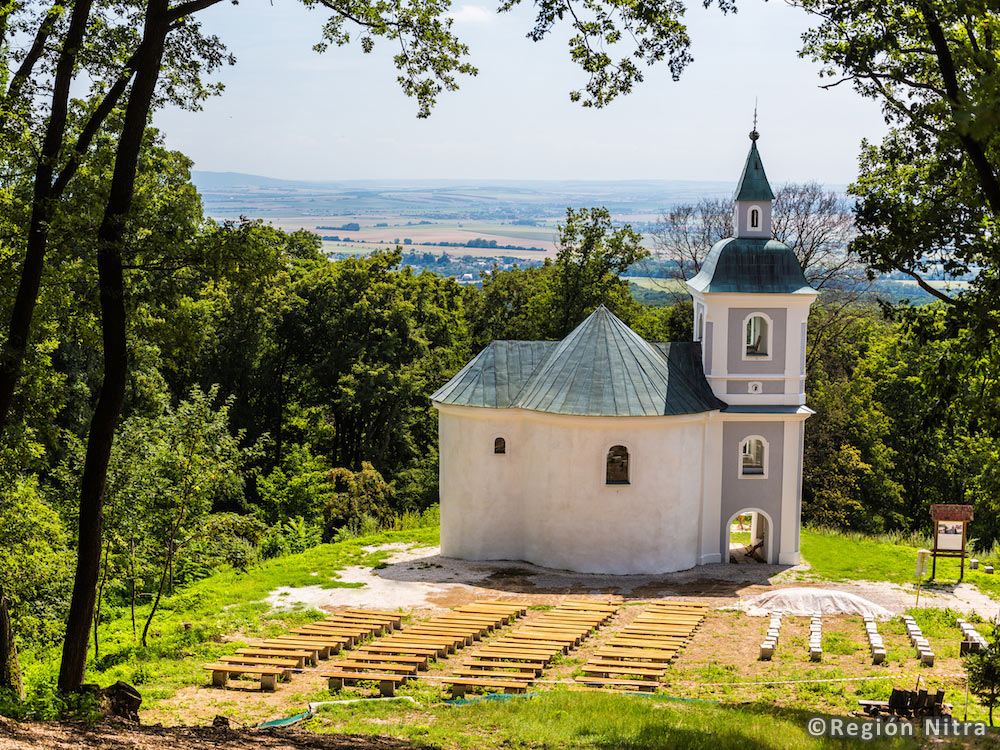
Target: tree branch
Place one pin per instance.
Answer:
(93, 125)
(186, 9)
(922, 283)
(975, 150)
(34, 53)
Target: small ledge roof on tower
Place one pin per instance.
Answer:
(753, 184)
(601, 369)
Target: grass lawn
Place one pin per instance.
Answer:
(584, 720)
(190, 625)
(839, 557)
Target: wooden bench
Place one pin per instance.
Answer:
(397, 616)
(222, 672)
(317, 650)
(644, 654)
(640, 685)
(285, 665)
(420, 662)
(459, 638)
(605, 671)
(522, 666)
(363, 617)
(386, 648)
(441, 647)
(490, 674)
(516, 653)
(459, 685)
(362, 666)
(453, 640)
(640, 643)
(527, 648)
(386, 682)
(323, 647)
(300, 657)
(344, 638)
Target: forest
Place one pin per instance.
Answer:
(180, 395)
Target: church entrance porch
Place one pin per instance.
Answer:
(749, 538)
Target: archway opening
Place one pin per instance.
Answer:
(749, 538)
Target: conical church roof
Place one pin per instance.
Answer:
(753, 184)
(602, 368)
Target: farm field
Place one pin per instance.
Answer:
(371, 237)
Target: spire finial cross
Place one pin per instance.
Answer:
(754, 135)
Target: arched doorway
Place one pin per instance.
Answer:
(749, 537)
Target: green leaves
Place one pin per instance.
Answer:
(613, 41)
(430, 56)
(639, 33)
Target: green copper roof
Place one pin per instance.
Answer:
(602, 368)
(496, 375)
(751, 266)
(753, 185)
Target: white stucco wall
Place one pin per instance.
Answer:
(546, 501)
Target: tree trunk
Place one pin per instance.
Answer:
(42, 208)
(131, 550)
(10, 668)
(159, 591)
(97, 608)
(113, 319)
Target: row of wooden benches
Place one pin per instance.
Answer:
(272, 659)
(637, 657)
(413, 646)
(392, 654)
(513, 661)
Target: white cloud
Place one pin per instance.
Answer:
(471, 14)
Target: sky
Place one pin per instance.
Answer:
(293, 113)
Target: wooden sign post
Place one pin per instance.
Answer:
(949, 534)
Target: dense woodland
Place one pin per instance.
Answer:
(178, 394)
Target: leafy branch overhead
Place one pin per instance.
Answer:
(653, 30)
(430, 56)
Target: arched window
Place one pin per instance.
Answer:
(758, 336)
(753, 457)
(755, 218)
(499, 445)
(699, 328)
(617, 465)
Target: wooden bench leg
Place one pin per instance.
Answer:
(387, 688)
(219, 678)
(336, 684)
(268, 682)
(458, 691)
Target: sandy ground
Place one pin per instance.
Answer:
(420, 578)
(120, 736)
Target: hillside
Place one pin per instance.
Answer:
(402, 569)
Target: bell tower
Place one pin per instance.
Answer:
(751, 303)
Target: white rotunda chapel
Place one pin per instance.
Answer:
(607, 453)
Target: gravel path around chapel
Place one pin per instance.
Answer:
(420, 579)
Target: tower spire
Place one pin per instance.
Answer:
(754, 135)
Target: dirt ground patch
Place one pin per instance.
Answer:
(118, 736)
(420, 578)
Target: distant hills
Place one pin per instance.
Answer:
(233, 194)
